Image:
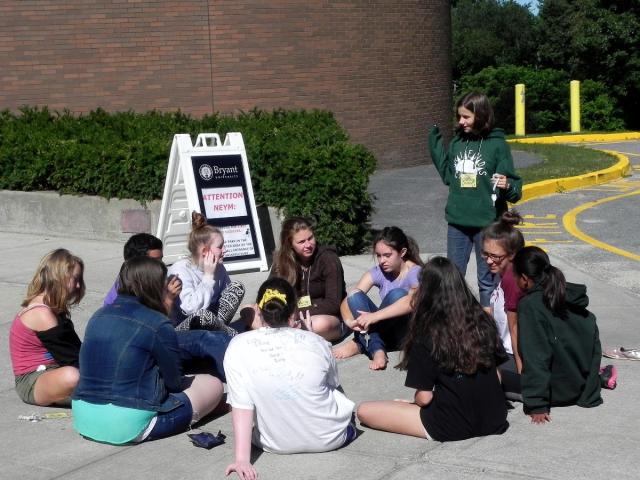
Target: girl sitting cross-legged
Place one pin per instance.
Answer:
(283, 385)
(378, 330)
(208, 299)
(131, 388)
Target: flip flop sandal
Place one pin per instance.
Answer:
(622, 353)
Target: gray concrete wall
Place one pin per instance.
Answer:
(96, 218)
(49, 213)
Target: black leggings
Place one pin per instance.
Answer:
(511, 380)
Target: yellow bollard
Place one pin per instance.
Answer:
(520, 100)
(574, 88)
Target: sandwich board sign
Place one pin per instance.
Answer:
(212, 178)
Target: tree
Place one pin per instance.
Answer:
(491, 33)
(595, 39)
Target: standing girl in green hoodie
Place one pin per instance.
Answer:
(478, 169)
(559, 340)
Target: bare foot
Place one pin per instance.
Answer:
(379, 361)
(347, 350)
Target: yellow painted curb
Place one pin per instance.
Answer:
(570, 224)
(558, 185)
(588, 137)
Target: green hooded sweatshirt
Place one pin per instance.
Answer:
(472, 161)
(560, 357)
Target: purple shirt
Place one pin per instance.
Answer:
(111, 296)
(385, 282)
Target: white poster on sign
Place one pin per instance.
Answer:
(211, 177)
(224, 202)
(237, 240)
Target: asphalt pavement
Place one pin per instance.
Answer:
(580, 443)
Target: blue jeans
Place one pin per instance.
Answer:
(174, 421)
(202, 351)
(460, 240)
(386, 335)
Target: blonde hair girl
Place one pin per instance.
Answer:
(43, 343)
(209, 299)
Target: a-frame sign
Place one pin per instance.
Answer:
(211, 177)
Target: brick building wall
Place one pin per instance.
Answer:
(382, 67)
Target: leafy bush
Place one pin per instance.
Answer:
(301, 162)
(598, 110)
(547, 99)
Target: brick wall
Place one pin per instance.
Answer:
(382, 67)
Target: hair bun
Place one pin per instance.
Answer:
(197, 220)
(511, 217)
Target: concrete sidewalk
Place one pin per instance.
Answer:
(580, 443)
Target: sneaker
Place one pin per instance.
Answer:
(609, 377)
(622, 353)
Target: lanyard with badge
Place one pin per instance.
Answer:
(469, 180)
(305, 301)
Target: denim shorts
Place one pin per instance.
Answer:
(174, 421)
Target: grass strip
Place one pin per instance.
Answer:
(561, 161)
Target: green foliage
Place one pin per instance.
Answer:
(301, 162)
(595, 40)
(598, 108)
(491, 33)
(598, 40)
(547, 99)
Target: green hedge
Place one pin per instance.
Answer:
(547, 99)
(301, 161)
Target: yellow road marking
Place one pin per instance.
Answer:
(543, 241)
(549, 216)
(539, 226)
(569, 222)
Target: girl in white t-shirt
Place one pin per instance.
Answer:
(283, 385)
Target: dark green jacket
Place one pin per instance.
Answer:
(560, 357)
(473, 207)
